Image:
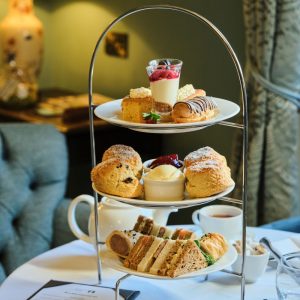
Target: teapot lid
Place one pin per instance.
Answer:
(114, 203)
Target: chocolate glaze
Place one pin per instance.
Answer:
(199, 104)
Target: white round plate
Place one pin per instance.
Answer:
(111, 112)
(179, 204)
(113, 261)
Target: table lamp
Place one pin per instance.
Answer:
(21, 39)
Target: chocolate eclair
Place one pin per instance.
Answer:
(199, 108)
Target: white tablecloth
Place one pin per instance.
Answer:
(76, 262)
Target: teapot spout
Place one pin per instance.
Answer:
(161, 215)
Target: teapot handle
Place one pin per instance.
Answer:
(195, 217)
(72, 216)
(161, 215)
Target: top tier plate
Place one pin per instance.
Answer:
(111, 112)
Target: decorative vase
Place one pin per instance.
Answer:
(21, 40)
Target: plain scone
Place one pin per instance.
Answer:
(116, 177)
(202, 154)
(207, 178)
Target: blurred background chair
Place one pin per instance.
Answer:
(33, 177)
(290, 224)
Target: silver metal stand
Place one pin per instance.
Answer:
(117, 289)
(243, 127)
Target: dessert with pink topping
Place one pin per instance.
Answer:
(164, 77)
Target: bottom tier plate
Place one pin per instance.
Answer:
(112, 261)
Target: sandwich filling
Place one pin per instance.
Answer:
(168, 257)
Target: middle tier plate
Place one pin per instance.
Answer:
(111, 112)
(154, 204)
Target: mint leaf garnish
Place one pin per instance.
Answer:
(151, 116)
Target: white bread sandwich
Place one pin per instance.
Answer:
(172, 258)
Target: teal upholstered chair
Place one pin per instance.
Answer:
(290, 224)
(33, 177)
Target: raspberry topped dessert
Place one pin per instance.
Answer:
(164, 75)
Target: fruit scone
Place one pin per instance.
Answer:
(119, 172)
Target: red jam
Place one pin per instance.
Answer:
(171, 159)
(163, 74)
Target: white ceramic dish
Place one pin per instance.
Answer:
(111, 260)
(255, 266)
(111, 112)
(169, 190)
(179, 204)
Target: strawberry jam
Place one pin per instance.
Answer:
(171, 159)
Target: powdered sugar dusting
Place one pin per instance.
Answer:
(120, 151)
(200, 154)
(204, 165)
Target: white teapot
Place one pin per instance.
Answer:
(112, 215)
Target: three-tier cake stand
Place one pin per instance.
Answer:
(243, 127)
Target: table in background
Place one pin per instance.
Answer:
(76, 262)
(78, 140)
(30, 115)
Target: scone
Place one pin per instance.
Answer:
(207, 178)
(116, 177)
(126, 153)
(199, 108)
(202, 154)
(138, 102)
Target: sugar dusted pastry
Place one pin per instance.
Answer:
(207, 178)
(199, 108)
(127, 154)
(202, 154)
(136, 104)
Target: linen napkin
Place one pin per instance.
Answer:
(288, 245)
